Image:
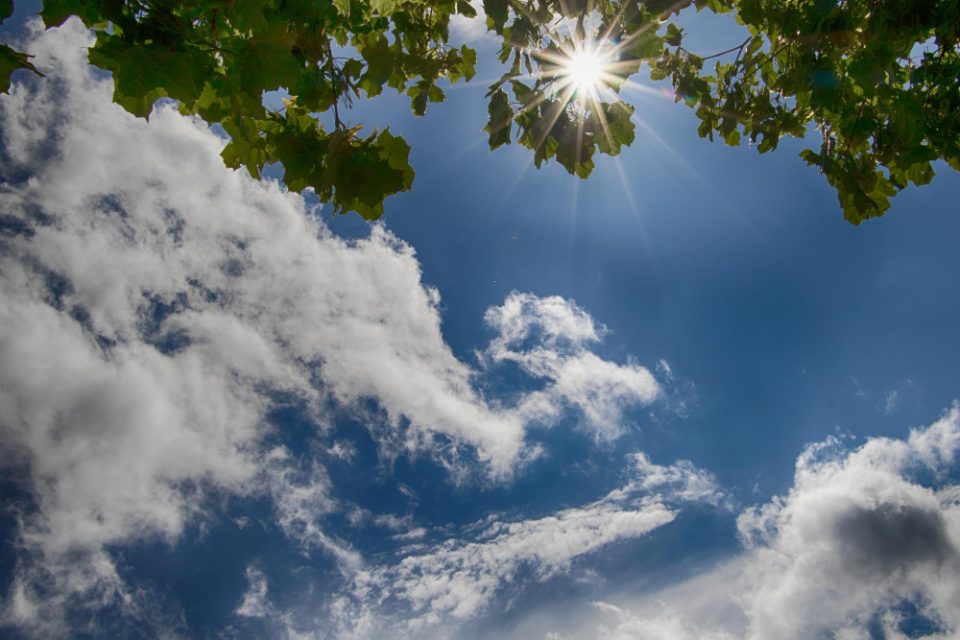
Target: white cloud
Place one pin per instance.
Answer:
(864, 538)
(255, 603)
(890, 401)
(548, 338)
(301, 497)
(434, 590)
(153, 306)
(681, 481)
(551, 322)
(472, 31)
(459, 580)
(857, 535)
(456, 580)
(665, 625)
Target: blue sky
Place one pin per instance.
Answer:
(673, 400)
(734, 267)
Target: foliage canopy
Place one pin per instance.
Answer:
(877, 79)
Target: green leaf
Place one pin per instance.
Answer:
(315, 90)
(419, 96)
(248, 15)
(143, 73)
(267, 63)
(380, 61)
(497, 12)
(466, 9)
(524, 94)
(870, 81)
(646, 46)
(501, 116)
(56, 12)
(732, 137)
(396, 151)
(673, 36)
(468, 64)
(216, 100)
(246, 148)
(383, 7)
(365, 173)
(811, 157)
(10, 61)
(619, 129)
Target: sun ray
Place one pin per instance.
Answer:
(613, 23)
(540, 97)
(686, 165)
(581, 125)
(581, 68)
(627, 190)
(640, 220)
(604, 125)
(585, 68)
(508, 193)
(561, 105)
(574, 205)
(623, 44)
(642, 88)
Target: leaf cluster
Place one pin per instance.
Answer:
(876, 79)
(548, 114)
(219, 58)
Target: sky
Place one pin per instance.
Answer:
(680, 399)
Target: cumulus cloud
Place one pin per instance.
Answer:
(155, 306)
(865, 544)
(858, 535)
(548, 338)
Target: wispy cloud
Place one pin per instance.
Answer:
(681, 481)
(435, 589)
(890, 401)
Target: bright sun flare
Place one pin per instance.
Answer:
(585, 69)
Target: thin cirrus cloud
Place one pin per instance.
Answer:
(431, 592)
(155, 307)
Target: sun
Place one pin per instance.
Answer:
(585, 69)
